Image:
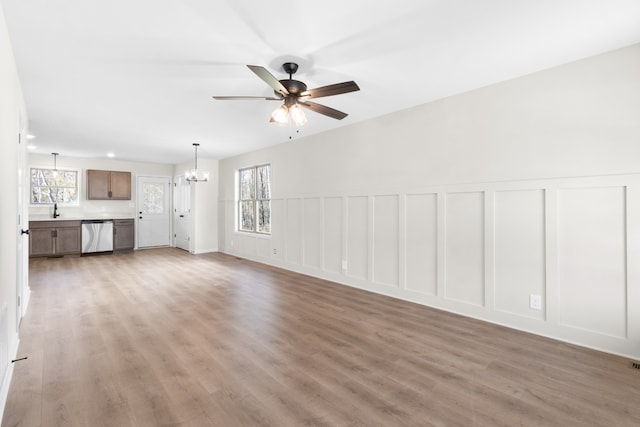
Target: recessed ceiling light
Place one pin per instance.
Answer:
(31, 147)
(110, 155)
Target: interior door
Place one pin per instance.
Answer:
(181, 212)
(154, 216)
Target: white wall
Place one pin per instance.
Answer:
(204, 207)
(11, 108)
(475, 202)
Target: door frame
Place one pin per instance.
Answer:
(182, 195)
(22, 240)
(168, 194)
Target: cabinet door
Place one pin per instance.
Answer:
(120, 186)
(123, 235)
(68, 240)
(98, 185)
(41, 241)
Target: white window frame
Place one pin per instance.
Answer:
(60, 203)
(254, 201)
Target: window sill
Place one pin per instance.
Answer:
(250, 234)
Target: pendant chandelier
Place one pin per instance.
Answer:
(193, 175)
(55, 164)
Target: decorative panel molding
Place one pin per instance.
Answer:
(263, 247)
(312, 234)
(464, 256)
(277, 228)
(519, 238)
(293, 231)
(357, 236)
(421, 243)
(592, 277)
(386, 240)
(478, 249)
(333, 234)
(229, 225)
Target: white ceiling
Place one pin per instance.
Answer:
(136, 77)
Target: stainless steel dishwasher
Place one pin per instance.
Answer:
(97, 236)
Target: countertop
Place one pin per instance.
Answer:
(73, 218)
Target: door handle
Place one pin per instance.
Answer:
(24, 231)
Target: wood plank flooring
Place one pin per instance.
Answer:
(164, 338)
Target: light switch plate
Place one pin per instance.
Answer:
(535, 302)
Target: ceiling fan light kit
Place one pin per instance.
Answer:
(289, 112)
(295, 94)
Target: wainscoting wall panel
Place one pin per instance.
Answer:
(421, 243)
(278, 221)
(358, 237)
(464, 237)
(333, 234)
(312, 235)
(263, 247)
(294, 231)
(519, 251)
(386, 240)
(592, 251)
(481, 250)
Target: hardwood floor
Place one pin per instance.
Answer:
(164, 338)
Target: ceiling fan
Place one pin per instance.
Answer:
(295, 94)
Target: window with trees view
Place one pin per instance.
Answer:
(49, 186)
(254, 201)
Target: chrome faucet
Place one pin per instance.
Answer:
(55, 211)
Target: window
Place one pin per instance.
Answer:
(254, 199)
(50, 186)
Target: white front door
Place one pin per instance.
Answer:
(181, 212)
(154, 219)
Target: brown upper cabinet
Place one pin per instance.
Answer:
(108, 185)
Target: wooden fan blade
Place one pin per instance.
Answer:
(245, 98)
(269, 79)
(323, 109)
(334, 89)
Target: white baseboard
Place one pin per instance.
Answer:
(4, 389)
(204, 251)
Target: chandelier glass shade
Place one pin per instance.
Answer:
(287, 114)
(194, 175)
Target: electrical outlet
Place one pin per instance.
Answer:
(344, 265)
(535, 302)
(275, 251)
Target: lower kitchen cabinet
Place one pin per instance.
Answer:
(123, 235)
(54, 238)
